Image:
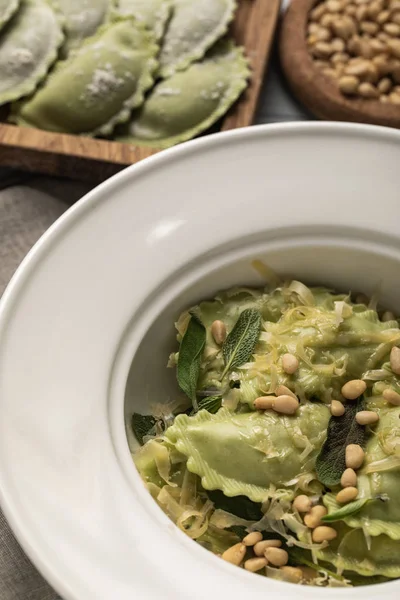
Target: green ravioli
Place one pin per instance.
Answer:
(152, 13)
(190, 101)
(97, 86)
(194, 27)
(28, 47)
(244, 454)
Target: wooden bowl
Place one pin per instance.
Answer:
(315, 90)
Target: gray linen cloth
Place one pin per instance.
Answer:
(26, 211)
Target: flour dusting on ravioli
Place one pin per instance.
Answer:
(194, 27)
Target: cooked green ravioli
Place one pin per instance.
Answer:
(286, 428)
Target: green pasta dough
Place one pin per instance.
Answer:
(152, 13)
(194, 27)
(28, 47)
(96, 87)
(190, 101)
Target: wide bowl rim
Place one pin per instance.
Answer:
(87, 203)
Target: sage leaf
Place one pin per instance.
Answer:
(211, 403)
(241, 506)
(342, 431)
(142, 426)
(190, 355)
(345, 511)
(240, 343)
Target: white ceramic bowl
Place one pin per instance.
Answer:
(103, 286)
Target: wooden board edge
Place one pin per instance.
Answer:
(95, 160)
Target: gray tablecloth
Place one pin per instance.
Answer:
(26, 211)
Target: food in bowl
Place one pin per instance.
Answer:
(282, 454)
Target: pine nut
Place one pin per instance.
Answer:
(369, 27)
(323, 534)
(337, 408)
(255, 564)
(367, 90)
(338, 45)
(277, 556)
(361, 13)
(394, 47)
(353, 389)
(349, 478)
(383, 17)
(317, 12)
(290, 363)
(387, 315)
(285, 405)
(333, 6)
(302, 503)
(367, 417)
(394, 98)
(264, 402)
(339, 57)
(395, 18)
(252, 538)
(235, 554)
(392, 29)
(293, 574)
(373, 10)
(322, 50)
(313, 518)
(382, 64)
(218, 331)
(323, 34)
(354, 456)
(261, 547)
(282, 390)
(395, 360)
(344, 27)
(391, 396)
(377, 47)
(384, 86)
(347, 495)
(358, 69)
(384, 99)
(327, 20)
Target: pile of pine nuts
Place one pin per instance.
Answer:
(266, 552)
(357, 44)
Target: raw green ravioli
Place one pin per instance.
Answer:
(194, 27)
(152, 13)
(82, 19)
(28, 47)
(96, 87)
(189, 102)
(7, 9)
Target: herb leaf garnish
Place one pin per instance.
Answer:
(241, 506)
(211, 403)
(345, 511)
(240, 343)
(142, 425)
(190, 355)
(342, 431)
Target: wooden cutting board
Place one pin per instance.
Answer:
(316, 91)
(95, 160)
